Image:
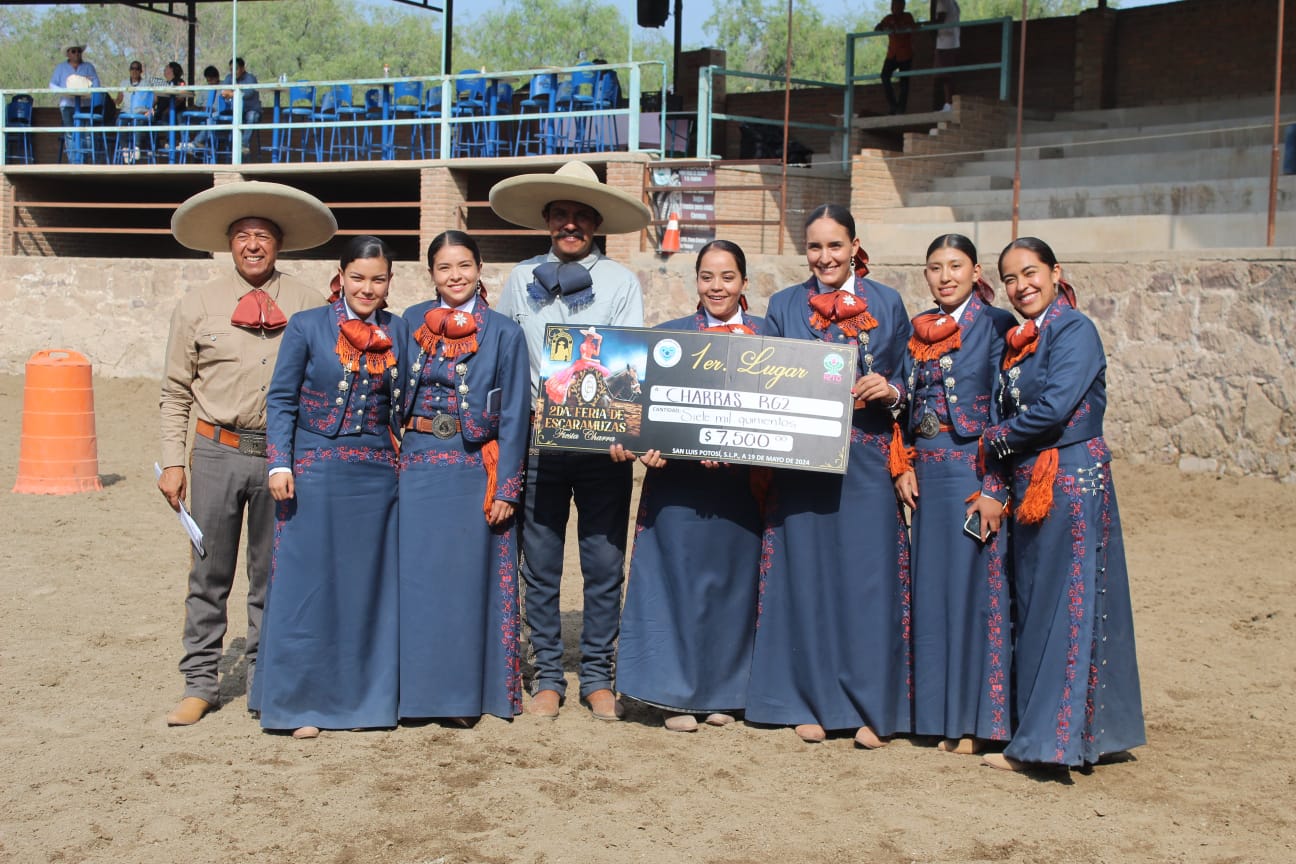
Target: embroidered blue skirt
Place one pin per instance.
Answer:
(329, 639)
(962, 644)
(690, 609)
(1076, 687)
(459, 616)
(832, 634)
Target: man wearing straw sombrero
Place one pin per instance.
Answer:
(574, 283)
(220, 355)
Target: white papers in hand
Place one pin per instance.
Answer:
(190, 526)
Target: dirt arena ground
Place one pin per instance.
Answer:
(91, 592)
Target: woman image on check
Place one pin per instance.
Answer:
(589, 349)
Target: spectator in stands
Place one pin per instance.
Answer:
(947, 45)
(211, 77)
(72, 74)
(899, 55)
(251, 98)
(174, 80)
(134, 79)
(126, 104)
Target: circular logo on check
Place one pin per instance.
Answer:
(833, 363)
(667, 353)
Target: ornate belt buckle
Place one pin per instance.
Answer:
(252, 443)
(444, 426)
(929, 426)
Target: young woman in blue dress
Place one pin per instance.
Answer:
(832, 636)
(1076, 693)
(328, 645)
(961, 635)
(690, 609)
(466, 397)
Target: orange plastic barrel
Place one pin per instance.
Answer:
(58, 453)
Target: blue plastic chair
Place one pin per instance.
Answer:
(220, 143)
(431, 111)
(578, 96)
(337, 106)
(407, 102)
(196, 144)
(607, 96)
(499, 140)
(470, 101)
(300, 109)
(126, 145)
(536, 136)
(373, 112)
(18, 114)
(91, 138)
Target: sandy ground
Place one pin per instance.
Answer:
(91, 598)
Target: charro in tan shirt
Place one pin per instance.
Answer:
(219, 371)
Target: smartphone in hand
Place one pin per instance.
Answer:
(972, 527)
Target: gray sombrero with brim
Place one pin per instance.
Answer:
(203, 220)
(522, 199)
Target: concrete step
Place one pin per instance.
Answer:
(1250, 132)
(1071, 238)
(1049, 169)
(972, 183)
(1250, 195)
(1189, 112)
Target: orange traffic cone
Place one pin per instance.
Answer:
(670, 240)
(59, 453)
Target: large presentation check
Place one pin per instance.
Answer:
(758, 400)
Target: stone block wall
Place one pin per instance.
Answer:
(1201, 365)
(1201, 354)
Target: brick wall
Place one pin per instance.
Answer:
(880, 178)
(1201, 49)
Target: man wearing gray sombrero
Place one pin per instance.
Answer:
(573, 284)
(220, 355)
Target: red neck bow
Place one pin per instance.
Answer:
(935, 334)
(1022, 342)
(452, 328)
(848, 311)
(730, 328)
(360, 339)
(258, 310)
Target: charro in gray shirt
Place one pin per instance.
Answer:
(618, 302)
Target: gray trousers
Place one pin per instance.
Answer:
(601, 490)
(222, 484)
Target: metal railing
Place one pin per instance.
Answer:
(1003, 64)
(706, 116)
(443, 127)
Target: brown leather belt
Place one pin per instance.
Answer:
(442, 425)
(246, 442)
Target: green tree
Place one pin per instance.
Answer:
(753, 34)
(534, 34)
(322, 39)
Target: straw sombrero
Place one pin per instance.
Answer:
(202, 220)
(521, 200)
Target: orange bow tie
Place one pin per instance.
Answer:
(848, 311)
(935, 334)
(1022, 342)
(453, 328)
(358, 340)
(258, 309)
